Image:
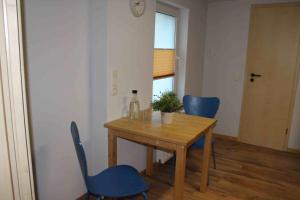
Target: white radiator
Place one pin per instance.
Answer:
(162, 156)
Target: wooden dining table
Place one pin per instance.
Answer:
(175, 137)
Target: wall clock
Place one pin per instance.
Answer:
(137, 7)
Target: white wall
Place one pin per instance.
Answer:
(130, 52)
(195, 45)
(57, 60)
(97, 52)
(72, 48)
(224, 64)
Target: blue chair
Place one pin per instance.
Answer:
(116, 182)
(204, 107)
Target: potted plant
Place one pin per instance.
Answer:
(167, 103)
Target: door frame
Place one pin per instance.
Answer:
(296, 75)
(13, 102)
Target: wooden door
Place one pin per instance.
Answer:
(271, 75)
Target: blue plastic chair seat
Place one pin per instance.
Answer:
(115, 182)
(199, 144)
(118, 181)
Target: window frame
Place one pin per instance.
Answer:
(174, 12)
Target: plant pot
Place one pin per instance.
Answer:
(166, 118)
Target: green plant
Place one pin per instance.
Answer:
(167, 102)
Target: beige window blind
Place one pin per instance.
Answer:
(164, 63)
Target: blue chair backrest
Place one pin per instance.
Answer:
(79, 151)
(201, 106)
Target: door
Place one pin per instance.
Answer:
(271, 74)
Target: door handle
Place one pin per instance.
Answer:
(255, 75)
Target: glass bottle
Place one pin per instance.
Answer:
(134, 106)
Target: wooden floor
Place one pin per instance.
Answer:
(243, 172)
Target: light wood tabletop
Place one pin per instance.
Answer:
(176, 137)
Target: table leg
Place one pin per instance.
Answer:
(206, 160)
(112, 148)
(179, 172)
(149, 169)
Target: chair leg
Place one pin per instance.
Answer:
(214, 155)
(145, 195)
(87, 197)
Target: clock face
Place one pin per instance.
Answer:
(137, 7)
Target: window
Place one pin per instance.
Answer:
(164, 53)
